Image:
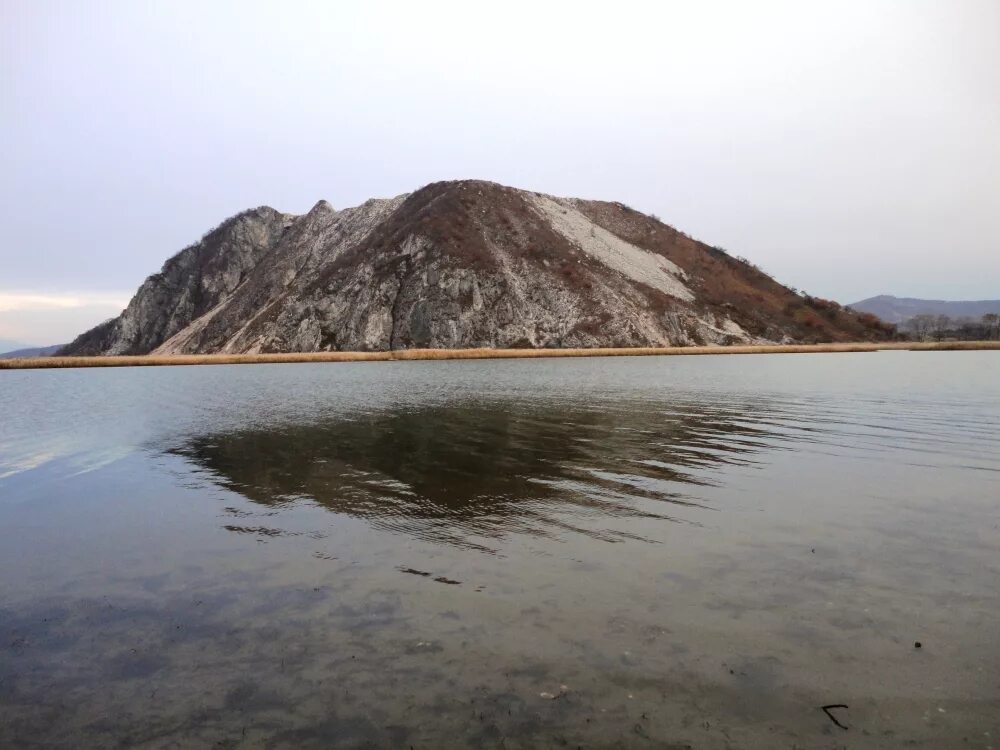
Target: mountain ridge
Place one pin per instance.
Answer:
(11, 345)
(898, 309)
(459, 264)
(31, 351)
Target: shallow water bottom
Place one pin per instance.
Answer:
(583, 554)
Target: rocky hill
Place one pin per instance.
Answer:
(459, 264)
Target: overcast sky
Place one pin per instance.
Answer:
(849, 148)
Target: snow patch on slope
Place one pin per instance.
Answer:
(637, 264)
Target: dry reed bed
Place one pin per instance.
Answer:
(418, 354)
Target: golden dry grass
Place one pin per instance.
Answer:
(404, 354)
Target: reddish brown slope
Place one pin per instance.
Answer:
(737, 288)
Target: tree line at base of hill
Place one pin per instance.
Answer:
(943, 327)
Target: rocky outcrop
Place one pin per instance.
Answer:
(458, 264)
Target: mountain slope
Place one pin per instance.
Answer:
(35, 351)
(897, 309)
(6, 345)
(459, 264)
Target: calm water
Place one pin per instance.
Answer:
(650, 552)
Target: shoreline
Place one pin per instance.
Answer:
(150, 360)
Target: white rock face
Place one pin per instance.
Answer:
(617, 254)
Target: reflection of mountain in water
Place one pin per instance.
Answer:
(453, 473)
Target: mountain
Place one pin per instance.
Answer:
(7, 345)
(897, 309)
(459, 264)
(35, 351)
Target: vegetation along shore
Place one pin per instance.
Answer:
(146, 360)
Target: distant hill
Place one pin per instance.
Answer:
(897, 309)
(32, 351)
(458, 265)
(6, 345)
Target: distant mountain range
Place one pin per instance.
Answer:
(898, 309)
(7, 345)
(458, 265)
(30, 351)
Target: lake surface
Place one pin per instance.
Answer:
(617, 552)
